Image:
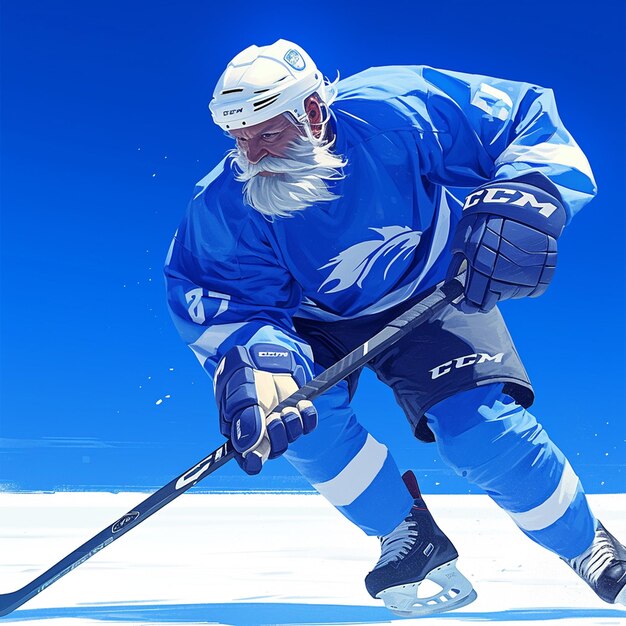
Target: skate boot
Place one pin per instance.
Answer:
(603, 566)
(414, 552)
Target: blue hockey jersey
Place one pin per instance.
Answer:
(412, 137)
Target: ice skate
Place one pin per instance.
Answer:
(603, 566)
(414, 552)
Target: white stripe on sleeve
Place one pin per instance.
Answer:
(207, 344)
(561, 154)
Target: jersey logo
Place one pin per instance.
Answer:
(352, 266)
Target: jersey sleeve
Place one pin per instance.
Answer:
(485, 128)
(225, 286)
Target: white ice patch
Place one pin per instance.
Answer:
(225, 558)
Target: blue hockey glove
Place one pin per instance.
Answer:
(249, 384)
(507, 235)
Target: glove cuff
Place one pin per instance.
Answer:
(521, 202)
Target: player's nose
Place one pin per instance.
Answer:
(255, 153)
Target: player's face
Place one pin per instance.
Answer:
(269, 138)
(282, 168)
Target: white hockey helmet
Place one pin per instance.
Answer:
(262, 82)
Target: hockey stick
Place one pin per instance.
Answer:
(421, 312)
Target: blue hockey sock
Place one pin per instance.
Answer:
(352, 470)
(500, 447)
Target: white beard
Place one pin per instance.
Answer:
(298, 180)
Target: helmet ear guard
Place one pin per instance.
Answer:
(321, 124)
(263, 82)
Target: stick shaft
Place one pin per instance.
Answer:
(420, 313)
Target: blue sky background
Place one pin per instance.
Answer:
(105, 130)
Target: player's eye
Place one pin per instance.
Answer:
(270, 136)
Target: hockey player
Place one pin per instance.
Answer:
(336, 211)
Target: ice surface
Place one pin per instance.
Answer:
(252, 559)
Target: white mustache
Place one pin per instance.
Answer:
(287, 165)
(299, 178)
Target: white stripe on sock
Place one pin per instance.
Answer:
(357, 476)
(554, 507)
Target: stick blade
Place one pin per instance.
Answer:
(11, 601)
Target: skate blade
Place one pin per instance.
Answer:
(456, 591)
